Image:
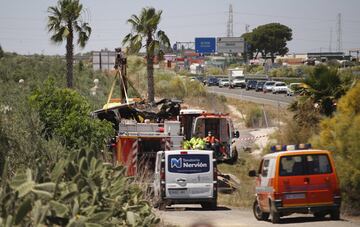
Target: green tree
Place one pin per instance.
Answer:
(341, 134)
(66, 116)
(64, 21)
(1, 52)
(324, 88)
(145, 30)
(269, 39)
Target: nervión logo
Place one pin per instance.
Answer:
(176, 162)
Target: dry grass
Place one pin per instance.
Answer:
(244, 197)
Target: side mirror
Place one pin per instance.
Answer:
(237, 134)
(252, 173)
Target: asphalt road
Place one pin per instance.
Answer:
(252, 96)
(189, 215)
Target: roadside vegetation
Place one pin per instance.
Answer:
(326, 114)
(53, 162)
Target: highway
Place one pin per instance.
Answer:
(252, 96)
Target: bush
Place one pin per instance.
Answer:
(254, 69)
(66, 115)
(341, 134)
(214, 71)
(79, 191)
(21, 133)
(282, 72)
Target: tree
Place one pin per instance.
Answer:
(145, 30)
(341, 134)
(269, 39)
(66, 116)
(64, 21)
(324, 88)
(1, 52)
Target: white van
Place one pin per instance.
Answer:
(185, 177)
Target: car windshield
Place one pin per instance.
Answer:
(269, 83)
(260, 83)
(280, 84)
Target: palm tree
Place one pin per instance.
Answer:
(64, 20)
(144, 29)
(324, 88)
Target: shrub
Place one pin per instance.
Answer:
(341, 134)
(66, 115)
(79, 191)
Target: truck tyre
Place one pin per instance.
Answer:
(259, 215)
(335, 214)
(209, 205)
(275, 216)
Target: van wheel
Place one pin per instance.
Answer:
(234, 157)
(335, 214)
(162, 205)
(209, 205)
(275, 216)
(319, 215)
(259, 215)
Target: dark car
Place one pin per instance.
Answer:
(212, 81)
(260, 86)
(251, 84)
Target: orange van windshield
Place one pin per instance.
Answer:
(296, 165)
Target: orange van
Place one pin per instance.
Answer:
(296, 179)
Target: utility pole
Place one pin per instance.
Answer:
(339, 33)
(230, 24)
(330, 43)
(247, 26)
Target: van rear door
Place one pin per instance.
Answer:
(306, 179)
(321, 179)
(189, 174)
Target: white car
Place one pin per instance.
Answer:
(268, 86)
(279, 87)
(224, 83)
(293, 88)
(185, 177)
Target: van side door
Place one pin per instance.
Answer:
(264, 185)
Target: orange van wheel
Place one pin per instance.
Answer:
(259, 215)
(335, 214)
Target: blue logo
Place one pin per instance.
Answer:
(176, 163)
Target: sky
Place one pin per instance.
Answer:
(23, 22)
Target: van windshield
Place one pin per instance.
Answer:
(296, 165)
(194, 163)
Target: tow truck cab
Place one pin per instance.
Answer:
(296, 180)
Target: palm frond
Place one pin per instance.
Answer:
(163, 38)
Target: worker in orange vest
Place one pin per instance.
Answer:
(213, 143)
(211, 139)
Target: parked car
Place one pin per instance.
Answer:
(268, 86)
(212, 81)
(259, 86)
(224, 83)
(279, 87)
(296, 179)
(295, 88)
(251, 84)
